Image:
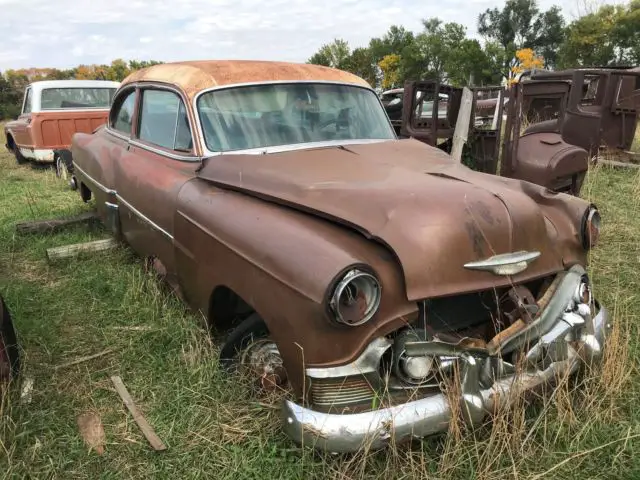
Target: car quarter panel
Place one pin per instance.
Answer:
(282, 262)
(93, 166)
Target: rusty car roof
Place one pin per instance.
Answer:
(195, 76)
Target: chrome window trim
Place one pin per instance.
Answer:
(163, 86)
(173, 156)
(121, 91)
(292, 147)
(117, 133)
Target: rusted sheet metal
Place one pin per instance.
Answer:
(386, 200)
(193, 77)
(602, 106)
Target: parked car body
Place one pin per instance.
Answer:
(359, 268)
(9, 351)
(52, 111)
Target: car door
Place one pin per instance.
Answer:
(159, 160)
(19, 128)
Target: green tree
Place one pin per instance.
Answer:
(361, 63)
(334, 54)
(604, 38)
(520, 24)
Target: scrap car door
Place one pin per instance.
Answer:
(159, 161)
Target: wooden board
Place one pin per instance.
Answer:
(147, 429)
(461, 132)
(613, 163)
(51, 225)
(76, 249)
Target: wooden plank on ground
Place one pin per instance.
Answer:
(76, 249)
(461, 132)
(84, 359)
(51, 225)
(147, 429)
(613, 163)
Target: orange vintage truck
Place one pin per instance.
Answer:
(52, 111)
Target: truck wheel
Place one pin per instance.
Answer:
(20, 159)
(9, 352)
(62, 168)
(249, 351)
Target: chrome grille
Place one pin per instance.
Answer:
(340, 391)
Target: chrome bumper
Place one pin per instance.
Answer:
(580, 342)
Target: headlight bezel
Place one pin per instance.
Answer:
(590, 227)
(355, 276)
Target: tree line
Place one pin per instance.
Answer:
(14, 82)
(513, 37)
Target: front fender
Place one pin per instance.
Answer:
(282, 262)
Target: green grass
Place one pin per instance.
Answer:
(212, 425)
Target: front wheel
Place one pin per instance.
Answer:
(249, 350)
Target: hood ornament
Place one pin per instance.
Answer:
(505, 263)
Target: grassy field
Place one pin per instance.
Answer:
(212, 425)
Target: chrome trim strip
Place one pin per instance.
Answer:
(284, 148)
(112, 206)
(97, 184)
(142, 216)
(173, 156)
(116, 133)
(299, 146)
(491, 264)
(367, 362)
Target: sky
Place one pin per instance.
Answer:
(66, 33)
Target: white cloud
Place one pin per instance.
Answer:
(63, 33)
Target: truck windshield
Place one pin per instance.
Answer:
(270, 115)
(76, 98)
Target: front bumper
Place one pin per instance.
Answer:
(38, 154)
(560, 350)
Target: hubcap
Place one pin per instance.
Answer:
(262, 361)
(61, 169)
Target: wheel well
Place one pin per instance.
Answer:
(85, 193)
(226, 309)
(10, 143)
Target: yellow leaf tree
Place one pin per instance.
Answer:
(526, 60)
(390, 66)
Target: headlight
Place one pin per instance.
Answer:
(356, 298)
(591, 228)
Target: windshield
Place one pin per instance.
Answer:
(287, 114)
(75, 98)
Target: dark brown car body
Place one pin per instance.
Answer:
(277, 231)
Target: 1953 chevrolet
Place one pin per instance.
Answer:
(361, 269)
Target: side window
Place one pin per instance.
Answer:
(122, 116)
(164, 121)
(28, 98)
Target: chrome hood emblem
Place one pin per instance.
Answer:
(505, 263)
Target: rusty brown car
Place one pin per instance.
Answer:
(363, 270)
(9, 351)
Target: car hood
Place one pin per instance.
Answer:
(433, 213)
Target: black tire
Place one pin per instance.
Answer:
(251, 328)
(20, 159)
(8, 341)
